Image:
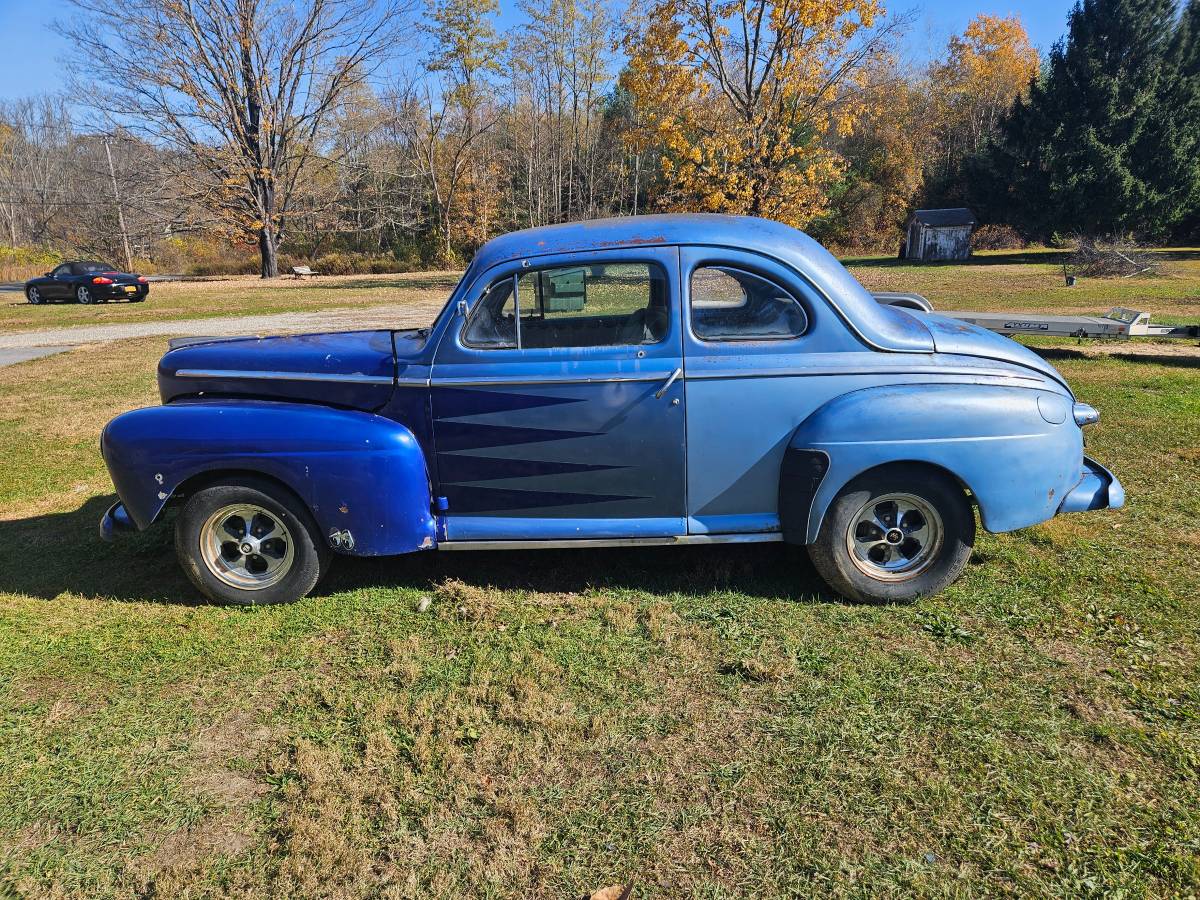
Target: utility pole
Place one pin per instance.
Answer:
(112, 173)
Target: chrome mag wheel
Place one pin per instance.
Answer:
(83, 295)
(34, 296)
(894, 537)
(246, 547)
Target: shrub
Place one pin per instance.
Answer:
(23, 263)
(997, 237)
(342, 262)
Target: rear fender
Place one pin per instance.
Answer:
(357, 472)
(1017, 450)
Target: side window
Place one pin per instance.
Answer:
(62, 271)
(732, 305)
(493, 324)
(607, 305)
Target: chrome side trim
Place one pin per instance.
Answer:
(584, 543)
(873, 370)
(609, 379)
(285, 376)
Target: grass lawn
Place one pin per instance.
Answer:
(704, 722)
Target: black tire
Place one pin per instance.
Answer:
(34, 296)
(853, 562)
(83, 295)
(308, 558)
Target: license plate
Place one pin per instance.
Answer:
(129, 289)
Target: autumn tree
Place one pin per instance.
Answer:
(985, 70)
(886, 155)
(242, 88)
(742, 97)
(446, 116)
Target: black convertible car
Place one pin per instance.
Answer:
(87, 282)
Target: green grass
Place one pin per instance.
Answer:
(702, 722)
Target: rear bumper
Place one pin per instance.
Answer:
(1098, 488)
(118, 291)
(116, 522)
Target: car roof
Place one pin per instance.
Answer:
(883, 327)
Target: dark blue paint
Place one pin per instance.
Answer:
(355, 471)
(352, 354)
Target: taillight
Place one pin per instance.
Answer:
(142, 279)
(100, 279)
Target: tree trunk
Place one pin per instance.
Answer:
(268, 250)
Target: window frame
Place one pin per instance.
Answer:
(726, 268)
(653, 268)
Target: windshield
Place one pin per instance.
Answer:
(86, 268)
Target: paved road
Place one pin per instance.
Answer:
(24, 345)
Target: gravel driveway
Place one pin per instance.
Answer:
(24, 345)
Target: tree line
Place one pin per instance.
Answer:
(384, 134)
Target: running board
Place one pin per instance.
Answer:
(585, 543)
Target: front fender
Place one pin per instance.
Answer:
(1018, 450)
(356, 471)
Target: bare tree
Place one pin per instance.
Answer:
(242, 87)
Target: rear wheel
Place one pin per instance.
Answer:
(250, 543)
(895, 534)
(34, 296)
(83, 295)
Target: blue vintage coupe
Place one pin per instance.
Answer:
(686, 379)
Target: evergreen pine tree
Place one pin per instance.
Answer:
(1078, 154)
(1178, 158)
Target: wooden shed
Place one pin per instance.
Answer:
(936, 234)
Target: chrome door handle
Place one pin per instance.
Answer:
(666, 387)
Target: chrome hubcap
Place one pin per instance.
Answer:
(246, 547)
(85, 296)
(34, 296)
(894, 537)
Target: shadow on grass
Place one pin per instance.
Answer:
(1180, 359)
(49, 555)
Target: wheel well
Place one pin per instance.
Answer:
(883, 467)
(202, 480)
(917, 463)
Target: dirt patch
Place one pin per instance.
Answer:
(181, 857)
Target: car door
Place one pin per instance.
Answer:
(763, 350)
(557, 400)
(61, 286)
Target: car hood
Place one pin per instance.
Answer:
(355, 369)
(964, 339)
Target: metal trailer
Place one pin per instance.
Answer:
(1119, 323)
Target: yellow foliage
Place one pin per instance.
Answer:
(745, 131)
(986, 69)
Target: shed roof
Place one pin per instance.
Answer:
(945, 218)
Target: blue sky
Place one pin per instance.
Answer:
(30, 48)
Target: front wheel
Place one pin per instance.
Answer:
(83, 295)
(895, 534)
(250, 543)
(34, 296)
